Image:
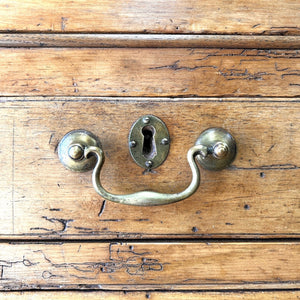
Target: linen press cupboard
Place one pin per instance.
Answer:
(102, 65)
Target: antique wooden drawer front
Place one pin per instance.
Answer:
(140, 16)
(255, 196)
(99, 66)
(147, 72)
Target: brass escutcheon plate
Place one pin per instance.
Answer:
(149, 142)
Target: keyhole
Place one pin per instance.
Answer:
(149, 146)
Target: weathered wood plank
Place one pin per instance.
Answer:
(7, 174)
(149, 72)
(136, 266)
(257, 197)
(140, 16)
(28, 40)
(266, 295)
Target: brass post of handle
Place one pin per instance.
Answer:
(80, 150)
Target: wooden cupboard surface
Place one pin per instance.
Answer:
(149, 72)
(284, 295)
(99, 66)
(140, 16)
(138, 266)
(256, 197)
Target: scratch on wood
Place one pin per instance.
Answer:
(112, 220)
(54, 209)
(102, 208)
(271, 147)
(63, 23)
(237, 74)
(63, 222)
(268, 167)
(290, 74)
(82, 228)
(176, 67)
(51, 137)
(279, 70)
(53, 142)
(9, 264)
(48, 275)
(74, 83)
(121, 258)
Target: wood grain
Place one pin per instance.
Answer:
(258, 196)
(266, 295)
(136, 266)
(140, 16)
(149, 72)
(148, 41)
(99, 65)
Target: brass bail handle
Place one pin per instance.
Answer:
(80, 150)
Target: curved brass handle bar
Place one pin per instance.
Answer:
(147, 198)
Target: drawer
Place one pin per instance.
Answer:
(257, 196)
(100, 66)
(139, 16)
(145, 72)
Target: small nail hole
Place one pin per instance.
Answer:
(194, 229)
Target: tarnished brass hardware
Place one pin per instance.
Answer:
(217, 146)
(71, 150)
(221, 148)
(146, 198)
(149, 142)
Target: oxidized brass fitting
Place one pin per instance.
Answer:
(80, 150)
(221, 149)
(71, 150)
(149, 142)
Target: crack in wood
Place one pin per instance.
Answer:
(237, 74)
(267, 167)
(63, 222)
(231, 73)
(102, 208)
(122, 257)
(10, 264)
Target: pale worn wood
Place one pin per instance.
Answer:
(162, 16)
(43, 205)
(148, 41)
(7, 174)
(258, 196)
(266, 295)
(149, 72)
(145, 266)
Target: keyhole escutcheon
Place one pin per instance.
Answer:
(149, 145)
(149, 142)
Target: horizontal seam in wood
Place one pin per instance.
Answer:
(134, 99)
(151, 241)
(135, 40)
(231, 291)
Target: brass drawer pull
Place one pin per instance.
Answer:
(80, 150)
